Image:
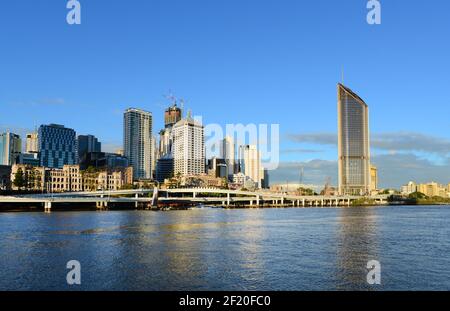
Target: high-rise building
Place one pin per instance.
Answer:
(10, 148)
(103, 160)
(32, 143)
(188, 147)
(218, 168)
(164, 169)
(57, 146)
(137, 128)
(265, 184)
(88, 143)
(250, 163)
(373, 178)
(353, 143)
(172, 115)
(154, 156)
(227, 152)
(165, 142)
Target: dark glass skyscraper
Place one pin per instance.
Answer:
(353, 143)
(88, 143)
(57, 146)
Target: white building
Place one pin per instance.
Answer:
(137, 141)
(10, 148)
(227, 152)
(32, 144)
(188, 147)
(155, 156)
(250, 163)
(411, 187)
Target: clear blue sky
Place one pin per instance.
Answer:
(238, 61)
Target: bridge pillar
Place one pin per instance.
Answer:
(322, 202)
(257, 200)
(136, 204)
(303, 202)
(194, 194)
(348, 202)
(228, 199)
(282, 200)
(47, 207)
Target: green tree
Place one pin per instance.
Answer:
(19, 179)
(306, 191)
(417, 195)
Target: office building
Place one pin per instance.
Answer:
(218, 168)
(164, 168)
(88, 143)
(32, 143)
(5, 177)
(28, 159)
(409, 188)
(188, 147)
(57, 146)
(250, 163)
(172, 115)
(353, 143)
(227, 152)
(373, 178)
(155, 156)
(10, 148)
(103, 160)
(137, 127)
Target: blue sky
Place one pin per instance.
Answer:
(243, 61)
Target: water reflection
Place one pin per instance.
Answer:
(357, 243)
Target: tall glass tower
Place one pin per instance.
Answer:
(10, 148)
(137, 141)
(57, 146)
(353, 143)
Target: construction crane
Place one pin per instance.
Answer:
(171, 98)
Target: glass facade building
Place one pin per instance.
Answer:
(353, 143)
(57, 146)
(88, 143)
(10, 148)
(137, 135)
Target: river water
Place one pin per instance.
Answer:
(216, 249)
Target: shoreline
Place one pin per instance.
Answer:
(35, 209)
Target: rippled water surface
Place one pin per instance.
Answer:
(215, 249)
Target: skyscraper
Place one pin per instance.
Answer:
(353, 143)
(10, 148)
(188, 147)
(88, 143)
(172, 115)
(32, 143)
(227, 153)
(250, 163)
(154, 156)
(137, 129)
(57, 146)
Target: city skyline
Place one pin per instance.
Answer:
(289, 69)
